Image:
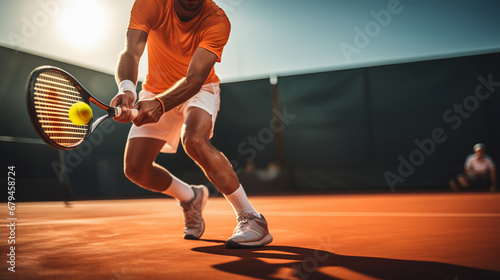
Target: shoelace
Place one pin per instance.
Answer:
(243, 223)
(190, 215)
(190, 219)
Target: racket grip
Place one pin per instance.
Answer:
(118, 112)
(135, 112)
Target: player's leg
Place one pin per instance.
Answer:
(196, 142)
(141, 168)
(139, 165)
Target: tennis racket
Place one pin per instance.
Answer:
(50, 93)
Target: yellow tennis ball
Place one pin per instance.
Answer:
(80, 113)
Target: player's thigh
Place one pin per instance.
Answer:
(140, 152)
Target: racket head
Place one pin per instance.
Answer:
(50, 93)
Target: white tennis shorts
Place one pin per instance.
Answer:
(168, 128)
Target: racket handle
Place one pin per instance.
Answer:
(135, 112)
(118, 112)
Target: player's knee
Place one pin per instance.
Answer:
(193, 144)
(134, 171)
(130, 172)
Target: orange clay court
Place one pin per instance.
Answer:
(343, 236)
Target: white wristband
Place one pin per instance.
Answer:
(129, 86)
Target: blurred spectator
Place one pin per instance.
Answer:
(269, 174)
(479, 171)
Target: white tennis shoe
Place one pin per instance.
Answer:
(251, 231)
(194, 226)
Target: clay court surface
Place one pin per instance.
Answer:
(343, 236)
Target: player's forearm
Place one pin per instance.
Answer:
(127, 69)
(180, 92)
(493, 178)
(199, 68)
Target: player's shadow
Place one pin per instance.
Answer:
(305, 263)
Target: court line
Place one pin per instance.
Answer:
(80, 204)
(97, 220)
(380, 214)
(268, 213)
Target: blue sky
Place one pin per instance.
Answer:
(268, 36)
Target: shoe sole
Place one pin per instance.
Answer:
(230, 244)
(203, 204)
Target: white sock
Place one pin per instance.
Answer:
(179, 190)
(240, 203)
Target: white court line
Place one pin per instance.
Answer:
(367, 214)
(80, 204)
(97, 220)
(268, 213)
(379, 214)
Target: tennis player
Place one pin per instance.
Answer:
(179, 102)
(479, 171)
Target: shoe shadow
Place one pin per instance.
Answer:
(212, 240)
(305, 263)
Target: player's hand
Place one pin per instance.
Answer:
(150, 111)
(126, 101)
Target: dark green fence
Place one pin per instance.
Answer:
(395, 126)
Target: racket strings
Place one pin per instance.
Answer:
(53, 97)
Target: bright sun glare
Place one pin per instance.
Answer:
(83, 23)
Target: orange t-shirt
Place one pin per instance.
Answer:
(171, 42)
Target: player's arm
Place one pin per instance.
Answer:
(150, 110)
(127, 72)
